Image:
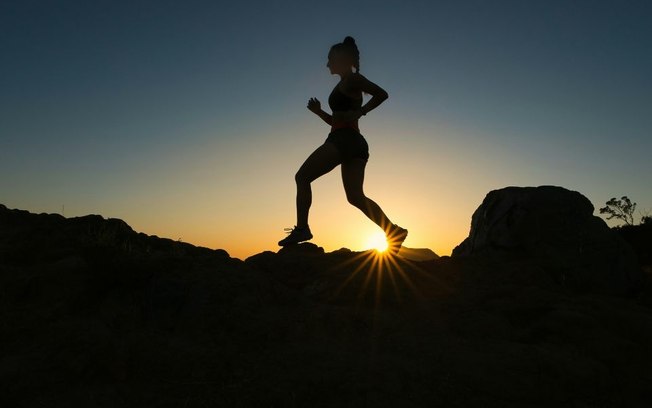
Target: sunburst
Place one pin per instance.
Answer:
(373, 271)
(378, 269)
(377, 241)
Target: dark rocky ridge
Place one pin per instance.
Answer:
(556, 228)
(95, 314)
(639, 237)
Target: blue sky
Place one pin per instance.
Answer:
(189, 119)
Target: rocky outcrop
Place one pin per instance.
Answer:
(95, 314)
(639, 237)
(33, 238)
(556, 229)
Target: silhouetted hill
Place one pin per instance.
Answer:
(418, 254)
(95, 314)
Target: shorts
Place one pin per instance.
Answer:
(350, 143)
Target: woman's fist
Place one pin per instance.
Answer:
(314, 105)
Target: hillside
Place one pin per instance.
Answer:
(96, 314)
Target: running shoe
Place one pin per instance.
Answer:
(296, 235)
(395, 238)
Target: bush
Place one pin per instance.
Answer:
(622, 209)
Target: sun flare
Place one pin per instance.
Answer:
(377, 241)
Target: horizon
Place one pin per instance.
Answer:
(375, 242)
(188, 121)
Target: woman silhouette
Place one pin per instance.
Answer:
(344, 145)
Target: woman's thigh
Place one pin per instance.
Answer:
(324, 159)
(353, 176)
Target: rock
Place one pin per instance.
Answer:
(418, 254)
(556, 228)
(32, 238)
(639, 237)
(94, 314)
(303, 248)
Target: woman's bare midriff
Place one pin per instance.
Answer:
(338, 124)
(341, 125)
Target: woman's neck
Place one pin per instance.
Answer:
(345, 75)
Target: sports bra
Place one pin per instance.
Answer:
(339, 101)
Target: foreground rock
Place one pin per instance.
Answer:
(124, 319)
(639, 237)
(556, 228)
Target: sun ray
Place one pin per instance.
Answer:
(363, 289)
(404, 275)
(379, 281)
(381, 266)
(394, 285)
(366, 258)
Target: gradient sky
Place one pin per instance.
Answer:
(188, 119)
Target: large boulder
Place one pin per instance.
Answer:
(556, 228)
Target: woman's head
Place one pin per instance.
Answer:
(342, 56)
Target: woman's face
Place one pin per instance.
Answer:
(338, 62)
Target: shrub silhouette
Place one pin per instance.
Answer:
(622, 209)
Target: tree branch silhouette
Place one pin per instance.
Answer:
(622, 209)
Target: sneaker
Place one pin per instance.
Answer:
(395, 238)
(296, 235)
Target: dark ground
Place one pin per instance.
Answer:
(93, 314)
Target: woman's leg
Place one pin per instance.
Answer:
(320, 162)
(353, 177)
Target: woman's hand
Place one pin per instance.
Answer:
(314, 105)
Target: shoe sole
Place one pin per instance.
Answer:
(293, 242)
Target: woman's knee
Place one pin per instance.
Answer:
(357, 199)
(301, 178)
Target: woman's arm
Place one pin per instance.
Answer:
(315, 107)
(325, 116)
(378, 94)
(361, 83)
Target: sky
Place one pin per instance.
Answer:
(188, 119)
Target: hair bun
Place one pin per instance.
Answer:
(349, 40)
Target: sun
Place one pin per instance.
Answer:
(377, 241)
